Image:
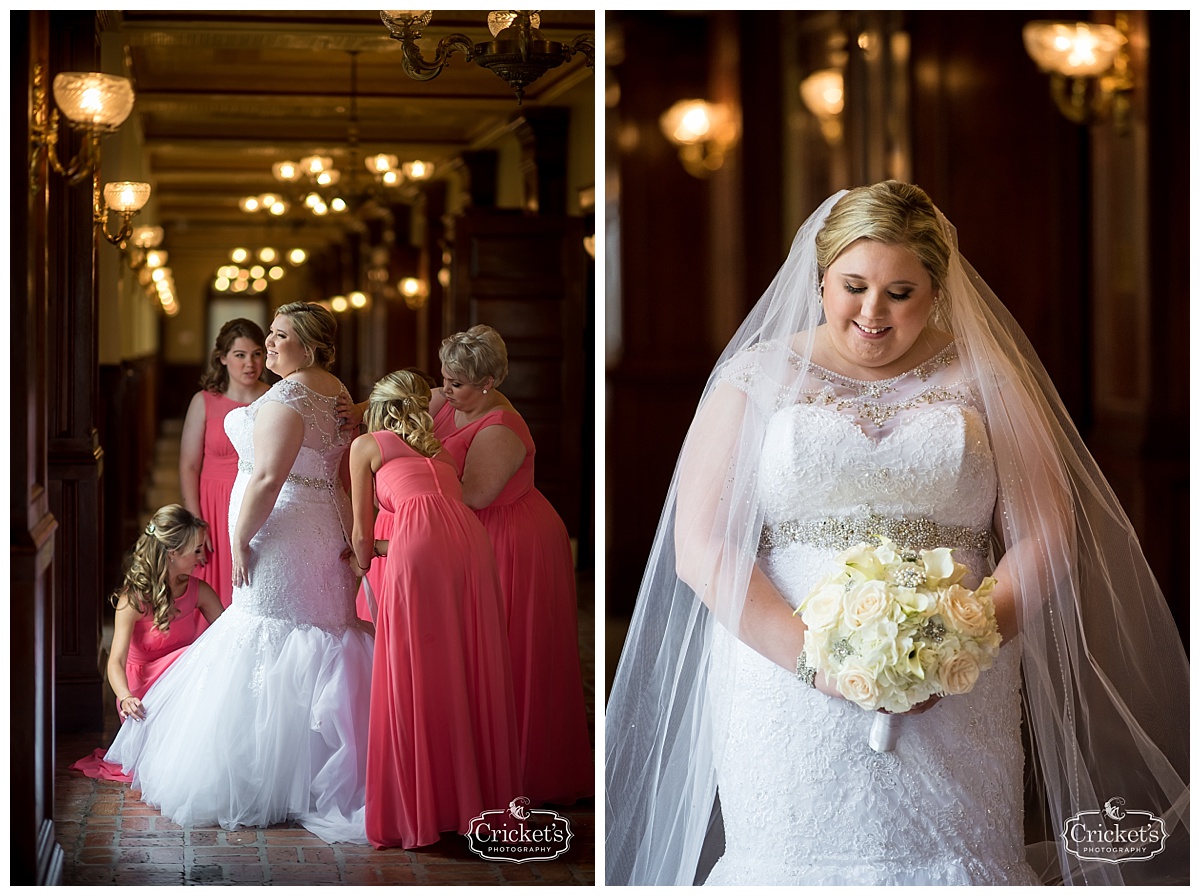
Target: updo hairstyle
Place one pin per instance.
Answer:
(400, 403)
(315, 327)
(475, 355)
(890, 212)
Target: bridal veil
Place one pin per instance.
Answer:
(1105, 675)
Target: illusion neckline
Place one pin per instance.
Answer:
(312, 390)
(934, 358)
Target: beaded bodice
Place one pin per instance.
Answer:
(841, 456)
(841, 459)
(297, 575)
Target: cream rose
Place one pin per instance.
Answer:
(823, 608)
(856, 683)
(866, 603)
(959, 673)
(964, 611)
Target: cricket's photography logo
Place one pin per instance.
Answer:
(1115, 834)
(519, 834)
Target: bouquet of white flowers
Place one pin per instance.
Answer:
(893, 627)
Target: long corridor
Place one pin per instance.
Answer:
(109, 836)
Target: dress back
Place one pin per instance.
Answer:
(457, 441)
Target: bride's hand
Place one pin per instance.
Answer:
(241, 564)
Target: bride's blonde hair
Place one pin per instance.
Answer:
(400, 403)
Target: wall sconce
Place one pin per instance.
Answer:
(1088, 64)
(703, 131)
(146, 237)
(518, 53)
(126, 198)
(94, 103)
(414, 291)
(823, 92)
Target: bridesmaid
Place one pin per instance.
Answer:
(383, 528)
(207, 461)
(442, 744)
(161, 608)
(494, 452)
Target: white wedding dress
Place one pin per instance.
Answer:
(264, 718)
(804, 799)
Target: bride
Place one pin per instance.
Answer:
(264, 719)
(879, 388)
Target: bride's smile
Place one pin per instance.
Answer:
(877, 299)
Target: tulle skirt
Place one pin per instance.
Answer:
(263, 720)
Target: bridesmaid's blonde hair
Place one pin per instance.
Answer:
(400, 403)
(147, 585)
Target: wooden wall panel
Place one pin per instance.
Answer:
(523, 275)
(34, 854)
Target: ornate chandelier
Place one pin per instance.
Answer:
(518, 52)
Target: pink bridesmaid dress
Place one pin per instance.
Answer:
(217, 474)
(442, 743)
(537, 574)
(150, 653)
(383, 532)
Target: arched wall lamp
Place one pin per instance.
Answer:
(704, 133)
(518, 52)
(1088, 64)
(94, 104)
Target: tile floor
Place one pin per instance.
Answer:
(109, 836)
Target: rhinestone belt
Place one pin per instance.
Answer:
(246, 467)
(839, 533)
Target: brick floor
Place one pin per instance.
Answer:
(109, 836)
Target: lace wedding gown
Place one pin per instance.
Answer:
(803, 797)
(264, 718)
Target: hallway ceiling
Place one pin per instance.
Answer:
(222, 95)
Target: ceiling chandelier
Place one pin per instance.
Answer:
(314, 184)
(518, 52)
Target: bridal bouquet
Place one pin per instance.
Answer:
(894, 627)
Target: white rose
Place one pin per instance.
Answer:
(964, 611)
(959, 673)
(823, 608)
(856, 683)
(865, 603)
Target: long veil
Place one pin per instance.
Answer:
(1105, 675)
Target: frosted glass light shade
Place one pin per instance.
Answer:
(381, 163)
(418, 18)
(94, 99)
(502, 18)
(147, 237)
(126, 195)
(1073, 49)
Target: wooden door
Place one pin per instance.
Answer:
(525, 276)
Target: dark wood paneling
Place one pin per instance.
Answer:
(523, 275)
(34, 854)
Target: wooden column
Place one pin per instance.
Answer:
(75, 459)
(542, 133)
(35, 856)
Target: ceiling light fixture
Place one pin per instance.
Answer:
(518, 52)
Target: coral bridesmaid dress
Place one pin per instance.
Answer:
(383, 532)
(150, 653)
(537, 574)
(442, 746)
(217, 474)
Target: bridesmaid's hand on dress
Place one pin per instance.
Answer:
(132, 708)
(241, 564)
(350, 415)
